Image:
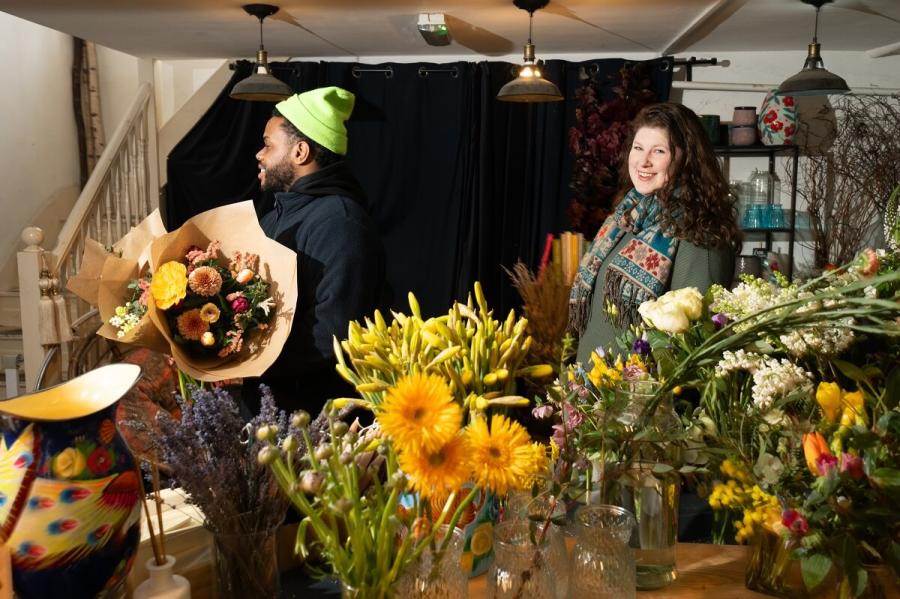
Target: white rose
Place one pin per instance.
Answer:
(689, 299)
(668, 318)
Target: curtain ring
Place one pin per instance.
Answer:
(389, 72)
(355, 72)
(593, 69)
(664, 66)
(423, 72)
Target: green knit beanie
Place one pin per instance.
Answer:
(320, 114)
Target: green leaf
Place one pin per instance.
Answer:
(858, 578)
(851, 371)
(814, 569)
(888, 478)
(892, 388)
(660, 468)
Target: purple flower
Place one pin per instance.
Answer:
(852, 465)
(542, 412)
(719, 320)
(641, 346)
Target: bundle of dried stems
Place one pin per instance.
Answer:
(545, 303)
(850, 165)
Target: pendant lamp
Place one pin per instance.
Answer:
(814, 79)
(530, 85)
(261, 86)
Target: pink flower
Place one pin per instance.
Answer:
(542, 412)
(240, 304)
(826, 463)
(852, 465)
(795, 522)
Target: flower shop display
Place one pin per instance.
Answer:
(69, 498)
(798, 387)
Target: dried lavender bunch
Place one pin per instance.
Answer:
(212, 453)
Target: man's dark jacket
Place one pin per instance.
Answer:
(340, 277)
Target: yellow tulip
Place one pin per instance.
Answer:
(854, 411)
(829, 397)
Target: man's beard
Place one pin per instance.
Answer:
(279, 177)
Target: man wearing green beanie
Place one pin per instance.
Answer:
(320, 212)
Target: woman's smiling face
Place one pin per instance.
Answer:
(649, 160)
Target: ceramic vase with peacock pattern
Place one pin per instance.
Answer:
(69, 490)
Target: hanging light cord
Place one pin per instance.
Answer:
(530, 22)
(260, 34)
(816, 30)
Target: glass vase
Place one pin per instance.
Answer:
(245, 562)
(649, 492)
(526, 566)
(436, 575)
(602, 562)
(769, 567)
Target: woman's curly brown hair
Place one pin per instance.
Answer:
(696, 204)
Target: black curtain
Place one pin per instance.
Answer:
(460, 184)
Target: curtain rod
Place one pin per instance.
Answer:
(767, 87)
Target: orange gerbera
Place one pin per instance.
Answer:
(191, 325)
(435, 474)
(419, 414)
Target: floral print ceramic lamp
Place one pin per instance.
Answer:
(69, 491)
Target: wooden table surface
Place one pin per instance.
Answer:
(704, 571)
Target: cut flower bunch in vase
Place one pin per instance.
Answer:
(383, 499)
(799, 387)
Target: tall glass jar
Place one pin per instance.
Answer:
(602, 562)
(526, 566)
(245, 559)
(649, 487)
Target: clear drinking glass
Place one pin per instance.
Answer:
(524, 568)
(602, 562)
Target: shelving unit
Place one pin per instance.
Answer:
(791, 152)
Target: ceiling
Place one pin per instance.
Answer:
(181, 29)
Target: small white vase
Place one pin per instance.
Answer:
(163, 584)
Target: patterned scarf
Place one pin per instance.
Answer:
(639, 272)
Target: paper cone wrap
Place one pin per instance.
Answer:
(236, 227)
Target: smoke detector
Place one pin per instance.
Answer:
(434, 29)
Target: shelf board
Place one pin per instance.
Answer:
(754, 150)
(778, 230)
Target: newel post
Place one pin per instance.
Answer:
(30, 261)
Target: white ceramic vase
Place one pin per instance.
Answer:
(163, 584)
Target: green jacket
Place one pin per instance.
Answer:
(694, 267)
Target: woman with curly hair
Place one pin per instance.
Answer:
(673, 226)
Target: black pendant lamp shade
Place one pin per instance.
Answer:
(530, 85)
(261, 86)
(814, 79)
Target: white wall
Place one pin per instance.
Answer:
(38, 145)
(176, 81)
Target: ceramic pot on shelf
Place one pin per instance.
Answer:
(777, 121)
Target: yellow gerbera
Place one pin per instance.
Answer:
(502, 457)
(435, 474)
(419, 414)
(169, 284)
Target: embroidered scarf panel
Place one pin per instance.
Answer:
(638, 272)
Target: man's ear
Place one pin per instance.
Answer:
(301, 153)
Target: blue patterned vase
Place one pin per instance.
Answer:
(69, 490)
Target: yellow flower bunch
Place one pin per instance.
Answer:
(169, 284)
(738, 493)
(423, 422)
(603, 376)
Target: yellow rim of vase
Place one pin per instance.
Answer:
(82, 396)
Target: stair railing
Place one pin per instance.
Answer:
(118, 194)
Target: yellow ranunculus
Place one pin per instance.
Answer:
(482, 539)
(169, 284)
(854, 411)
(829, 397)
(68, 463)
